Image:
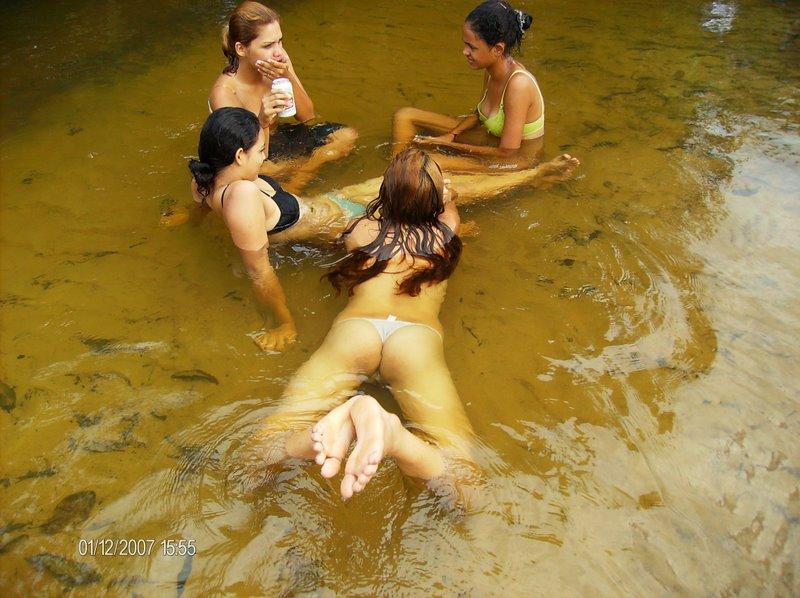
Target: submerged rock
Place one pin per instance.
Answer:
(7, 546)
(105, 346)
(125, 440)
(68, 572)
(42, 473)
(8, 397)
(195, 376)
(300, 572)
(72, 509)
(12, 527)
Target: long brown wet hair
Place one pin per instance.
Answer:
(407, 210)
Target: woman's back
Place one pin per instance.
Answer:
(378, 297)
(403, 250)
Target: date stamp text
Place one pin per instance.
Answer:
(135, 547)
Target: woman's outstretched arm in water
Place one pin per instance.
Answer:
(246, 221)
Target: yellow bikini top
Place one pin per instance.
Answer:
(494, 123)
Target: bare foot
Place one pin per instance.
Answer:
(332, 436)
(558, 169)
(374, 436)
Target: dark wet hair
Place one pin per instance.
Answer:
(407, 211)
(225, 131)
(243, 26)
(495, 21)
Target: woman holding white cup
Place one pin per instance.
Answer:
(252, 41)
(283, 85)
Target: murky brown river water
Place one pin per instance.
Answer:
(625, 344)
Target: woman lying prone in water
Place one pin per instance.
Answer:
(257, 211)
(400, 256)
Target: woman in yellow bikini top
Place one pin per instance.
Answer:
(494, 123)
(511, 108)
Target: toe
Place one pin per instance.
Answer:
(330, 467)
(347, 485)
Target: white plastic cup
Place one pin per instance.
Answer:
(283, 84)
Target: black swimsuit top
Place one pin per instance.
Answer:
(286, 202)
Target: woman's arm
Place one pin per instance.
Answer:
(247, 223)
(269, 293)
(271, 103)
(302, 101)
(450, 215)
(466, 123)
(272, 69)
(516, 104)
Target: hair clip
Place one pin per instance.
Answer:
(521, 21)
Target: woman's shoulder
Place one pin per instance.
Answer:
(522, 88)
(242, 208)
(241, 195)
(224, 91)
(228, 79)
(521, 80)
(364, 232)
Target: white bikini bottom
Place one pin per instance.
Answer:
(388, 326)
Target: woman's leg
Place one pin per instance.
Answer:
(462, 164)
(380, 434)
(349, 354)
(409, 122)
(526, 157)
(328, 219)
(474, 187)
(413, 364)
(337, 145)
(295, 173)
(361, 193)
